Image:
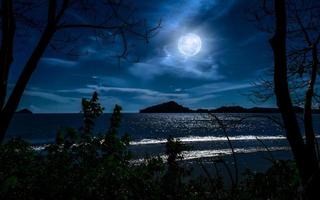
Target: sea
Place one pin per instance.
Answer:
(206, 136)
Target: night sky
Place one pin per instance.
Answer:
(234, 53)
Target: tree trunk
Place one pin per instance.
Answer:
(308, 126)
(6, 49)
(306, 163)
(9, 109)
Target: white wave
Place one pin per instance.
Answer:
(212, 153)
(189, 155)
(39, 147)
(209, 139)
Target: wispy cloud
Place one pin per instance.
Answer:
(136, 91)
(110, 81)
(58, 62)
(50, 96)
(192, 9)
(213, 88)
(197, 99)
(68, 102)
(178, 66)
(78, 90)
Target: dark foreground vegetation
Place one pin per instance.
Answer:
(82, 165)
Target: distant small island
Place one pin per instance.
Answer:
(174, 107)
(168, 107)
(24, 111)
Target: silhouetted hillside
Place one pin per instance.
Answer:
(168, 107)
(173, 107)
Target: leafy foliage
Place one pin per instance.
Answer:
(278, 182)
(91, 110)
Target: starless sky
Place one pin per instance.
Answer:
(233, 55)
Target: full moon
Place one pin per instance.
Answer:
(189, 44)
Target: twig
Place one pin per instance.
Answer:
(223, 127)
(268, 150)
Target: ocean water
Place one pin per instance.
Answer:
(206, 138)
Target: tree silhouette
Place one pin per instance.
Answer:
(107, 19)
(296, 36)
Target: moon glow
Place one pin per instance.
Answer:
(189, 44)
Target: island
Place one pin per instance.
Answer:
(24, 111)
(168, 107)
(174, 107)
